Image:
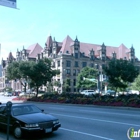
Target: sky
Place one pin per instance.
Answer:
(93, 21)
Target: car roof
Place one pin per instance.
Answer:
(4, 104)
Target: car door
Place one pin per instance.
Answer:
(3, 117)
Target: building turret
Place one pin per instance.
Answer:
(92, 55)
(76, 48)
(132, 54)
(114, 55)
(103, 52)
(54, 48)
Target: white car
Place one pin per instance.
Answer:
(22, 93)
(88, 92)
(27, 93)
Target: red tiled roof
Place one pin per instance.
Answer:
(66, 44)
(34, 50)
(85, 47)
(120, 51)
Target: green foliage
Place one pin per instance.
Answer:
(19, 70)
(131, 100)
(66, 84)
(121, 73)
(41, 72)
(136, 84)
(35, 73)
(86, 72)
(57, 83)
(8, 89)
(13, 71)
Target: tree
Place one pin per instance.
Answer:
(18, 70)
(38, 73)
(41, 73)
(87, 72)
(136, 84)
(66, 85)
(120, 73)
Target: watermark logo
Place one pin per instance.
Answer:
(131, 133)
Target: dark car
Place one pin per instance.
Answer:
(26, 118)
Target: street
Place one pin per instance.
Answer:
(83, 122)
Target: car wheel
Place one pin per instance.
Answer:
(17, 132)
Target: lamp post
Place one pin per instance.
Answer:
(98, 82)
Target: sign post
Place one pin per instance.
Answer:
(8, 105)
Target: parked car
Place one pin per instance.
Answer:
(88, 92)
(110, 92)
(27, 118)
(16, 93)
(24, 94)
(8, 94)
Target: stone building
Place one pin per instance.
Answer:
(29, 54)
(70, 56)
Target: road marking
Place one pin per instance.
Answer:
(56, 108)
(130, 124)
(110, 113)
(97, 136)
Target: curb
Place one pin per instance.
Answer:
(86, 105)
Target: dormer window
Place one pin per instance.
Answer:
(114, 55)
(76, 55)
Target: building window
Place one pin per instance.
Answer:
(53, 64)
(92, 65)
(68, 71)
(76, 55)
(74, 89)
(68, 63)
(74, 82)
(92, 57)
(76, 63)
(96, 66)
(103, 66)
(74, 72)
(58, 63)
(84, 64)
(78, 71)
(76, 48)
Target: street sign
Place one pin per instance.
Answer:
(9, 3)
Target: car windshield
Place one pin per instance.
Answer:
(27, 109)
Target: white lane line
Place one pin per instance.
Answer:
(56, 108)
(130, 124)
(97, 136)
(110, 113)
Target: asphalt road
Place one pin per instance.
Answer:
(81, 122)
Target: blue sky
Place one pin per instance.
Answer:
(92, 21)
